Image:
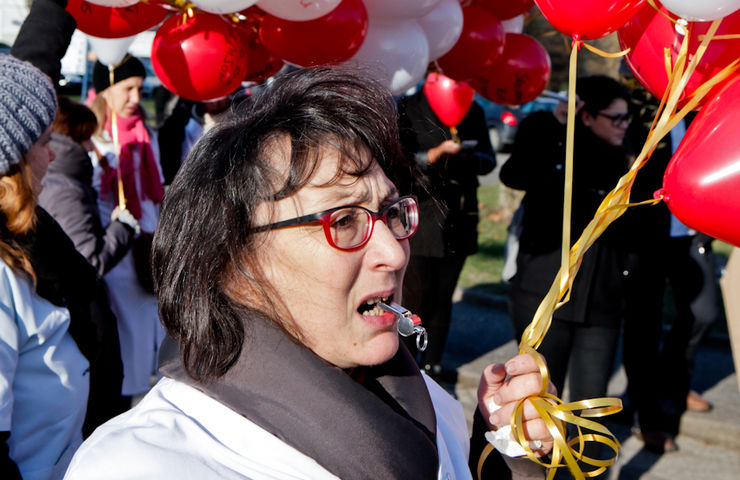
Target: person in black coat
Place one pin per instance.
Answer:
(448, 229)
(582, 340)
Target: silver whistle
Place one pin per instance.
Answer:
(408, 324)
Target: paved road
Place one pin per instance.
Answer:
(709, 443)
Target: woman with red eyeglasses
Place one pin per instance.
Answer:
(281, 248)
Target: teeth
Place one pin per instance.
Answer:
(375, 310)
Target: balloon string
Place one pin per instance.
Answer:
(606, 54)
(455, 135)
(671, 19)
(733, 36)
(554, 412)
(116, 144)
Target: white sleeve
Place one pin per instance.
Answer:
(9, 348)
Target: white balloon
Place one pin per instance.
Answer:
(114, 3)
(223, 6)
(394, 53)
(399, 9)
(701, 10)
(110, 51)
(442, 26)
(513, 25)
(298, 10)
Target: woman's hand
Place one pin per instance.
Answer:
(448, 147)
(506, 385)
(125, 217)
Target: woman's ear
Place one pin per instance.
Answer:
(586, 118)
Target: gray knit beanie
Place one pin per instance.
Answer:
(27, 108)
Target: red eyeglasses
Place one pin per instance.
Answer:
(350, 227)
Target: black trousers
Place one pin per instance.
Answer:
(427, 291)
(644, 285)
(581, 352)
(691, 274)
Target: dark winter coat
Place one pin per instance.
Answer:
(537, 166)
(448, 200)
(69, 197)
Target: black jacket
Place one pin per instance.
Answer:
(537, 166)
(69, 197)
(448, 189)
(44, 36)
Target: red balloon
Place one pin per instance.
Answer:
(503, 10)
(480, 44)
(519, 75)
(450, 100)
(108, 22)
(333, 38)
(649, 33)
(588, 19)
(702, 182)
(201, 57)
(261, 63)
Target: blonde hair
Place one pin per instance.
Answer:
(18, 210)
(100, 109)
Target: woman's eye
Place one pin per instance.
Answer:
(393, 213)
(343, 220)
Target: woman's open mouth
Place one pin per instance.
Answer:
(371, 306)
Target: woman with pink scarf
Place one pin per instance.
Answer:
(132, 177)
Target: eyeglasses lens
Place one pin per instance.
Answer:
(350, 227)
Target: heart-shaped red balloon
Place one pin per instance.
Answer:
(701, 185)
(109, 22)
(649, 33)
(200, 57)
(333, 38)
(480, 44)
(588, 19)
(519, 75)
(450, 100)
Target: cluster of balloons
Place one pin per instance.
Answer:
(207, 47)
(702, 183)
(494, 57)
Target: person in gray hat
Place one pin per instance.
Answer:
(44, 372)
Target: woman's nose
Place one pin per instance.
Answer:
(385, 250)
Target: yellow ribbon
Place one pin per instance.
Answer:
(455, 135)
(116, 144)
(652, 4)
(552, 410)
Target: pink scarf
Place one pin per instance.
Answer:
(133, 136)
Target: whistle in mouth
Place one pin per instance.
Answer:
(408, 324)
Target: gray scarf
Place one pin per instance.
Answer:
(379, 424)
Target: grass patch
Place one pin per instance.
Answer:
(482, 271)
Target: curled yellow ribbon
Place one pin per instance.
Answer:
(555, 413)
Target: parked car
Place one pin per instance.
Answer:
(503, 120)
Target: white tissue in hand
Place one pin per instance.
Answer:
(502, 440)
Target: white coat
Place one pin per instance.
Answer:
(44, 380)
(139, 329)
(178, 432)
